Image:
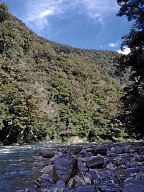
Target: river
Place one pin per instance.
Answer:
(106, 166)
(18, 167)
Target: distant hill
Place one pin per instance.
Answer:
(54, 91)
(105, 60)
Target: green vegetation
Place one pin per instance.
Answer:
(133, 113)
(3, 12)
(54, 91)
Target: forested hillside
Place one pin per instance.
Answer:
(105, 60)
(54, 91)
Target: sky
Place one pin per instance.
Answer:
(88, 24)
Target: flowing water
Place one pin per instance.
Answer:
(18, 167)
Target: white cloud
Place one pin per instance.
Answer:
(113, 45)
(44, 8)
(125, 51)
(46, 13)
(100, 9)
(38, 12)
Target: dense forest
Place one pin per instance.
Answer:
(50, 91)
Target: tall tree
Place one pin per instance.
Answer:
(133, 116)
(3, 11)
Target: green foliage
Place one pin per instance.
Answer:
(53, 91)
(3, 11)
(97, 98)
(134, 93)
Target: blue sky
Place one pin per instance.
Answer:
(90, 24)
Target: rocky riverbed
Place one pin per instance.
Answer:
(103, 167)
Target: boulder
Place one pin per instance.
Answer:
(100, 149)
(73, 149)
(82, 179)
(108, 167)
(48, 173)
(46, 153)
(95, 162)
(134, 185)
(64, 167)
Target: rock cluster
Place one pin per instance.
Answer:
(104, 167)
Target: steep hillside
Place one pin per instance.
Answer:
(53, 91)
(105, 60)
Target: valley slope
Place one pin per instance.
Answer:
(54, 91)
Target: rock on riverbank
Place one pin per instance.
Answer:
(105, 167)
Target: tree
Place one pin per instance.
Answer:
(133, 115)
(3, 12)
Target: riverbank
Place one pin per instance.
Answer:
(73, 167)
(91, 167)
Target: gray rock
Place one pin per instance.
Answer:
(48, 173)
(88, 188)
(134, 185)
(95, 162)
(82, 179)
(46, 153)
(73, 149)
(109, 187)
(82, 166)
(64, 167)
(71, 183)
(111, 167)
(100, 149)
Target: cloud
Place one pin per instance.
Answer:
(113, 45)
(39, 12)
(36, 8)
(125, 51)
(46, 13)
(100, 9)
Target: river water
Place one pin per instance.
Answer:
(18, 167)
